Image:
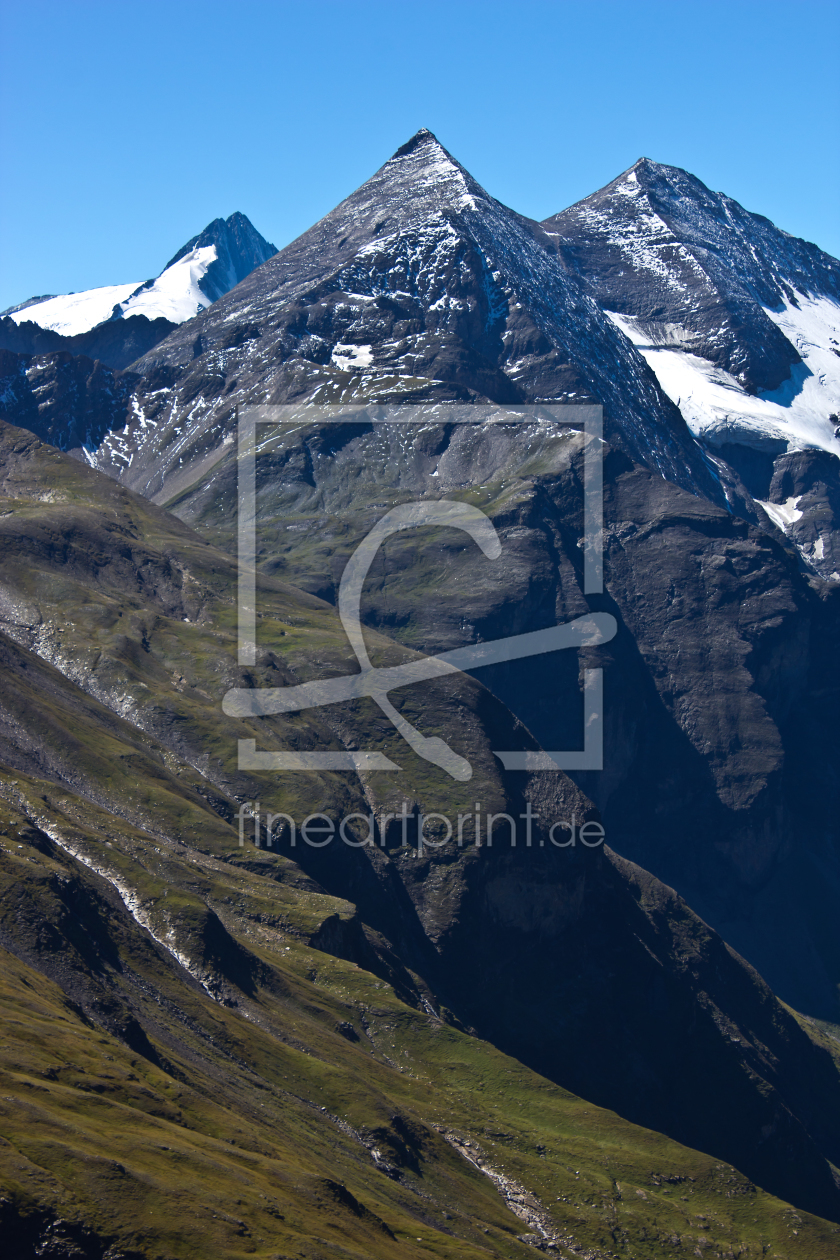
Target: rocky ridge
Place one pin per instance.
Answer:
(741, 323)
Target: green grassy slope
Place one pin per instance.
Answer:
(319, 1116)
(217, 1050)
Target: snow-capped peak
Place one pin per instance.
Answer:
(739, 321)
(663, 249)
(206, 268)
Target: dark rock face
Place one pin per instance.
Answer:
(115, 343)
(811, 479)
(44, 1233)
(694, 266)
(568, 936)
(66, 399)
(720, 745)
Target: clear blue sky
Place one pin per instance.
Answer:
(129, 125)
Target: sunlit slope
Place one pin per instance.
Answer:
(316, 1116)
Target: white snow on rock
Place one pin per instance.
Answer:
(782, 514)
(176, 294)
(645, 239)
(74, 313)
(349, 357)
(715, 405)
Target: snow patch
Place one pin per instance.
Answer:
(176, 295)
(783, 514)
(348, 358)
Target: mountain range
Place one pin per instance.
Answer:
(364, 1050)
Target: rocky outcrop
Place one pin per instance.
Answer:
(116, 343)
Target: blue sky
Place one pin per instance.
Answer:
(126, 126)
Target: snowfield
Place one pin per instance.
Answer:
(176, 294)
(74, 313)
(715, 405)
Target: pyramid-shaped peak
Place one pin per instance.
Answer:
(235, 235)
(656, 182)
(420, 180)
